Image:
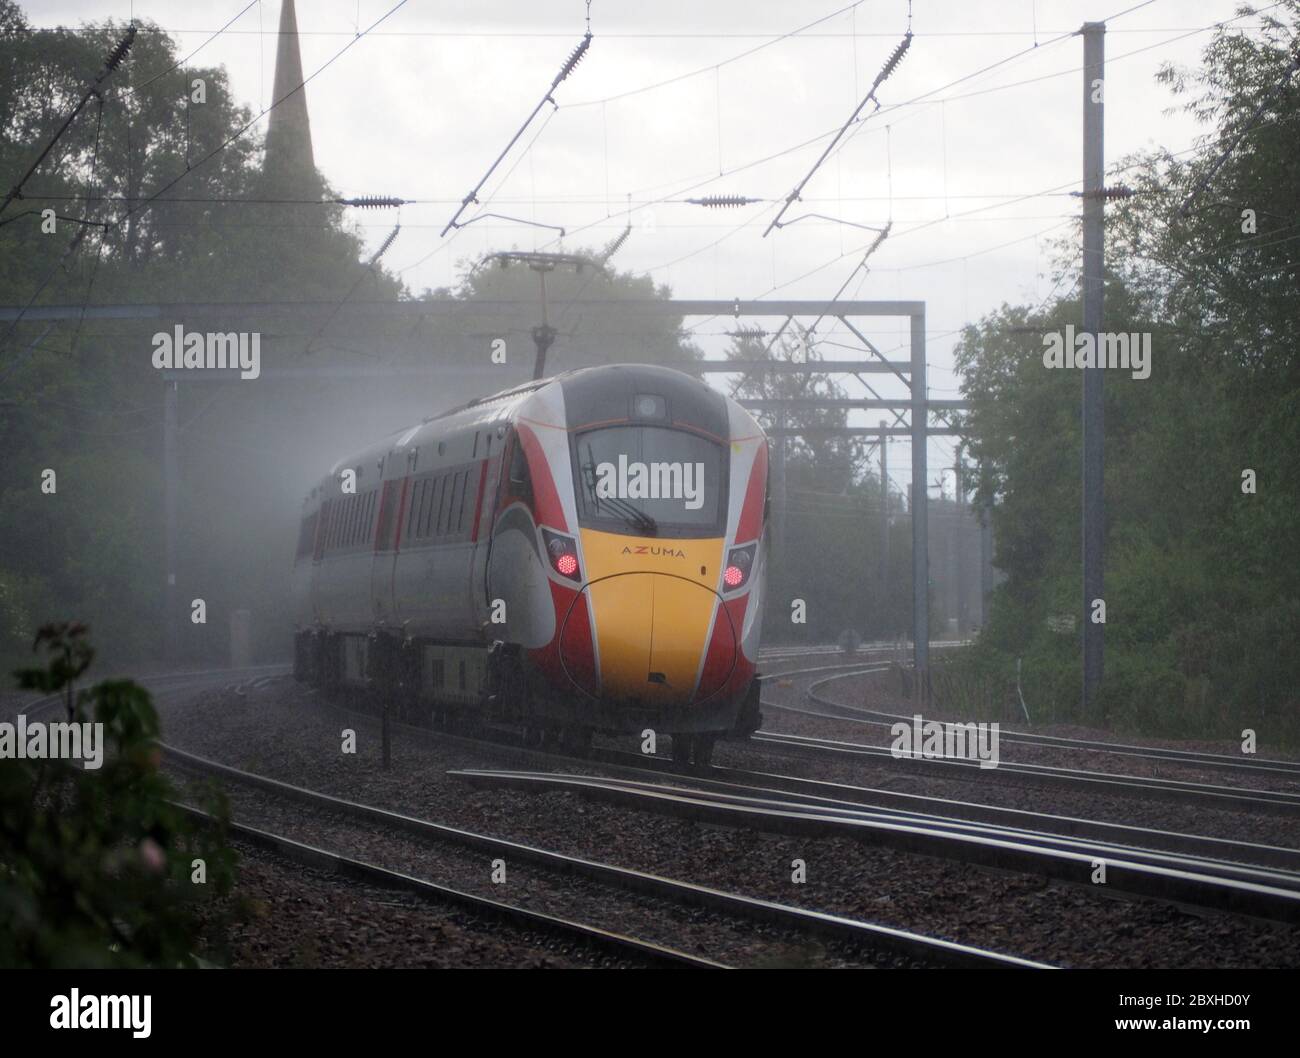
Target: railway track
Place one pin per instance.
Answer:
(944, 809)
(950, 810)
(1176, 878)
(925, 823)
(832, 710)
(1236, 798)
(880, 941)
(1231, 797)
(726, 780)
(605, 943)
(629, 949)
(1190, 870)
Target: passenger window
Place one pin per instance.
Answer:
(449, 519)
(460, 507)
(441, 523)
(412, 513)
(428, 490)
(429, 518)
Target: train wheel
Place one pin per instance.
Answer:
(682, 744)
(703, 750)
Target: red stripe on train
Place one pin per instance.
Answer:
(401, 514)
(577, 652)
(724, 645)
(751, 514)
(546, 500)
(478, 501)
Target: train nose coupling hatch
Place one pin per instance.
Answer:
(652, 632)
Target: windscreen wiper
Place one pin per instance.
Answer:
(634, 516)
(630, 513)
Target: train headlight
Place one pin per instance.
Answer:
(563, 554)
(740, 563)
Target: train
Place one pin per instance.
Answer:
(582, 553)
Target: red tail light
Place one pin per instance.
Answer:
(563, 554)
(740, 563)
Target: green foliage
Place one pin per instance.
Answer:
(830, 510)
(95, 865)
(85, 400)
(1202, 590)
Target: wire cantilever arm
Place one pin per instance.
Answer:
(890, 64)
(565, 70)
(111, 63)
(835, 220)
(516, 220)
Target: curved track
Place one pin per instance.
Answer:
(1181, 879)
(879, 939)
(1231, 797)
(632, 949)
(831, 710)
(1226, 875)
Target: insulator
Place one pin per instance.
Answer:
(722, 201)
(617, 244)
(881, 237)
(1106, 193)
(896, 58)
(372, 201)
(116, 56)
(573, 60)
(383, 248)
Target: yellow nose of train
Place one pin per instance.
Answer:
(653, 605)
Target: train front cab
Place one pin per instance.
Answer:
(658, 587)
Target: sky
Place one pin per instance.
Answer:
(677, 100)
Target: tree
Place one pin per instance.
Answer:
(1202, 596)
(98, 867)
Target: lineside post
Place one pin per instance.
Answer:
(920, 521)
(1094, 512)
(171, 483)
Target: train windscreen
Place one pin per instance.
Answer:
(650, 481)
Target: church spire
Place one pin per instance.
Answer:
(289, 160)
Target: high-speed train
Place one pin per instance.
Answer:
(585, 552)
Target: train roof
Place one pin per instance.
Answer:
(592, 395)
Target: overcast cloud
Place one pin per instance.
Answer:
(421, 106)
